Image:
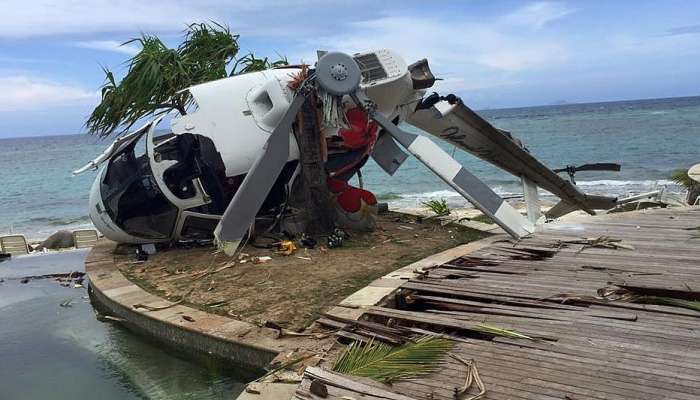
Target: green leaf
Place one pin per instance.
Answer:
(157, 73)
(681, 177)
(385, 363)
(671, 301)
(496, 331)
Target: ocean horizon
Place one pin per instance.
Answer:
(650, 138)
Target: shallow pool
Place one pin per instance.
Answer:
(49, 351)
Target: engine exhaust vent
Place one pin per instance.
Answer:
(371, 68)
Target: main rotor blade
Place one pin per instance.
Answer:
(462, 181)
(459, 125)
(241, 211)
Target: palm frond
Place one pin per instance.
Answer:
(680, 176)
(251, 63)
(671, 301)
(156, 75)
(496, 331)
(384, 363)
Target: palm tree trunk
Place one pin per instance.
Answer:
(317, 198)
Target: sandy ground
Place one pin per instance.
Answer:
(291, 290)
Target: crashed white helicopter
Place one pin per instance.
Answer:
(236, 154)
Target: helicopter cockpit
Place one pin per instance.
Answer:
(131, 196)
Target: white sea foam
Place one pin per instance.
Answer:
(611, 182)
(605, 186)
(435, 194)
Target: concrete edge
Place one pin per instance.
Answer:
(202, 334)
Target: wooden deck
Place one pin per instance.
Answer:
(592, 340)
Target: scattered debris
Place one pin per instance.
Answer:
(471, 261)
(496, 331)
(284, 366)
(67, 303)
(75, 278)
(267, 279)
(149, 248)
(286, 248)
(108, 318)
(188, 318)
(307, 241)
(605, 242)
(472, 377)
(150, 308)
(216, 304)
(337, 238)
(252, 388)
(648, 296)
(141, 255)
(318, 388)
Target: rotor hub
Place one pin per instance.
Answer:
(338, 73)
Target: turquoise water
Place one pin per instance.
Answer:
(64, 353)
(650, 138)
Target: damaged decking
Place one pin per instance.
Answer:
(588, 348)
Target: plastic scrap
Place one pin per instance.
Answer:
(286, 247)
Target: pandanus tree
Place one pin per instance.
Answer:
(157, 74)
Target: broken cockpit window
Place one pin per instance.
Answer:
(132, 198)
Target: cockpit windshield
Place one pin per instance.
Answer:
(132, 198)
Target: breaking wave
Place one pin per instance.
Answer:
(39, 228)
(604, 187)
(610, 182)
(58, 221)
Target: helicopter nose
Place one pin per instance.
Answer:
(101, 219)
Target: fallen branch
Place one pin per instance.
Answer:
(472, 377)
(150, 308)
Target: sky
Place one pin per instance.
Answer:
(493, 54)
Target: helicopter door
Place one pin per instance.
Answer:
(160, 166)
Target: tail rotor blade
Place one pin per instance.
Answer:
(599, 167)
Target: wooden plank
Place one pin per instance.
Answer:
(343, 382)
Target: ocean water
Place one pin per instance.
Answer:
(650, 138)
